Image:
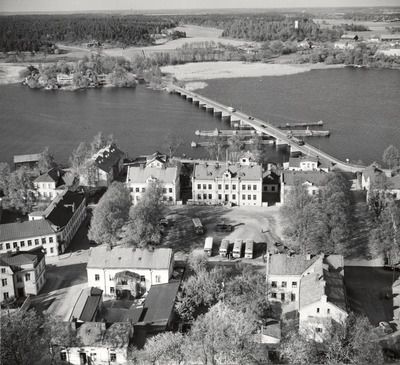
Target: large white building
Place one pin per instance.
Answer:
(127, 271)
(306, 163)
(53, 229)
(312, 285)
(221, 183)
(22, 273)
(139, 177)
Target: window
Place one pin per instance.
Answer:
(137, 190)
(284, 284)
(123, 281)
(282, 297)
(254, 187)
(22, 243)
(112, 290)
(198, 186)
(29, 242)
(243, 197)
(113, 357)
(273, 284)
(294, 284)
(273, 295)
(328, 311)
(209, 186)
(7, 246)
(170, 198)
(249, 197)
(248, 187)
(19, 279)
(164, 190)
(219, 186)
(204, 186)
(63, 356)
(142, 279)
(27, 277)
(233, 196)
(4, 282)
(226, 186)
(93, 355)
(96, 277)
(5, 295)
(219, 196)
(272, 188)
(198, 196)
(209, 196)
(204, 196)
(293, 297)
(51, 250)
(254, 197)
(158, 279)
(317, 310)
(243, 187)
(3, 270)
(15, 244)
(36, 241)
(234, 187)
(131, 190)
(143, 190)
(44, 240)
(318, 329)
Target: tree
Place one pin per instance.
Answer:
(217, 147)
(21, 343)
(110, 214)
(46, 161)
(260, 155)
(222, 334)
(120, 77)
(391, 156)
(172, 142)
(236, 143)
(5, 172)
(163, 348)
(19, 189)
(144, 217)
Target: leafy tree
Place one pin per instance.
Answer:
(145, 216)
(110, 214)
(46, 161)
(172, 143)
(120, 77)
(377, 193)
(21, 343)
(5, 172)
(163, 348)
(221, 334)
(260, 155)
(197, 262)
(391, 156)
(19, 189)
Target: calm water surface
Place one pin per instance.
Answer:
(360, 107)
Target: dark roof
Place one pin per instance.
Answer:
(270, 177)
(313, 177)
(63, 207)
(159, 303)
(210, 171)
(108, 157)
(21, 257)
(52, 175)
(25, 229)
(283, 264)
(87, 304)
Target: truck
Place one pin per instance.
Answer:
(208, 245)
(248, 251)
(223, 249)
(231, 110)
(237, 248)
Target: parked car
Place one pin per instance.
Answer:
(251, 118)
(385, 327)
(222, 227)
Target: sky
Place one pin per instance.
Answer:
(84, 5)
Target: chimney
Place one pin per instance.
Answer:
(324, 298)
(308, 257)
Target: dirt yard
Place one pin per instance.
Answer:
(259, 224)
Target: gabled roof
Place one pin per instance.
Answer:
(25, 229)
(52, 175)
(206, 171)
(21, 257)
(283, 264)
(159, 303)
(129, 258)
(313, 177)
(270, 177)
(106, 158)
(63, 207)
(141, 174)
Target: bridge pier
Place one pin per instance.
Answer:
(279, 142)
(209, 108)
(195, 101)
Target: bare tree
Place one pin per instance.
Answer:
(172, 143)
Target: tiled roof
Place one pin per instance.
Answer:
(22, 257)
(283, 264)
(60, 210)
(140, 175)
(159, 303)
(27, 158)
(129, 258)
(25, 229)
(207, 171)
(92, 334)
(106, 158)
(314, 177)
(324, 280)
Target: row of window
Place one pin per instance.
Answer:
(125, 282)
(19, 279)
(274, 284)
(210, 187)
(283, 296)
(22, 243)
(83, 357)
(45, 185)
(137, 190)
(210, 197)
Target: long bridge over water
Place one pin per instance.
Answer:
(280, 136)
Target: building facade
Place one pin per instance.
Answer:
(22, 273)
(236, 184)
(126, 271)
(139, 177)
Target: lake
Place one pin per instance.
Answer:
(359, 107)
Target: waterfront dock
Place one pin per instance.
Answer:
(308, 133)
(296, 125)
